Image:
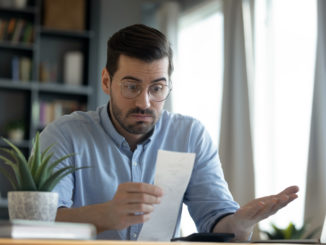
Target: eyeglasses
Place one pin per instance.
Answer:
(157, 92)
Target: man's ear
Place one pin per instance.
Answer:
(106, 81)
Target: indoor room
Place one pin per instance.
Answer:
(241, 115)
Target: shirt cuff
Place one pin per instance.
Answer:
(218, 220)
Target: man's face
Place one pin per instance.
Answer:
(136, 116)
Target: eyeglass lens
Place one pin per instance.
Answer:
(157, 92)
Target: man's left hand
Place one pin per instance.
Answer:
(242, 222)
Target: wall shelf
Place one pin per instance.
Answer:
(32, 69)
(66, 34)
(17, 46)
(29, 10)
(41, 87)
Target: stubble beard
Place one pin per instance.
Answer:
(136, 128)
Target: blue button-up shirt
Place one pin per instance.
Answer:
(94, 139)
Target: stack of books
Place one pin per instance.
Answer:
(52, 110)
(21, 68)
(16, 30)
(29, 229)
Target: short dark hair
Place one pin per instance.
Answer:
(138, 41)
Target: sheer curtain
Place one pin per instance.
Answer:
(167, 17)
(235, 141)
(285, 38)
(315, 208)
(197, 84)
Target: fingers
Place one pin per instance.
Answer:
(142, 188)
(290, 190)
(139, 208)
(139, 193)
(262, 208)
(143, 198)
(271, 204)
(132, 204)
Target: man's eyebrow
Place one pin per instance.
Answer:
(159, 80)
(139, 80)
(131, 78)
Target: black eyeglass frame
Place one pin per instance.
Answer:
(148, 92)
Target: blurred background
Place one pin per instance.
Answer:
(252, 71)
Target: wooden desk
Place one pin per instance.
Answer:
(8, 241)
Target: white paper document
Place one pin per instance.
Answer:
(173, 171)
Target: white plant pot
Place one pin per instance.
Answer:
(32, 205)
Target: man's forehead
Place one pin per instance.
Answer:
(131, 64)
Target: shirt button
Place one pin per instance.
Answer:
(134, 164)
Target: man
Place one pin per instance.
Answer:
(120, 142)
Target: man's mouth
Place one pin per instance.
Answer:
(141, 117)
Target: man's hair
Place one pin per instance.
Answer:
(138, 41)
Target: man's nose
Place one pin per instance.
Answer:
(143, 100)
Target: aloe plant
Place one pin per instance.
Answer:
(38, 172)
(290, 232)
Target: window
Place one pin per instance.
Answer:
(197, 90)
(285, 46)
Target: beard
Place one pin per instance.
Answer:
(138, 127)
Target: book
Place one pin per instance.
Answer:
(11, 28)
(15, 68)
(52, 110)
(27, 36)
(3, 29)
(30, 229)
(18, 31)
(25, 69)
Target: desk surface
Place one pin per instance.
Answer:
(8, 241)
(5, 241)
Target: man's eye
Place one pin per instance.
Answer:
(157, 88)
(132, 87)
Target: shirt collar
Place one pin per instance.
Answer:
(109, 128)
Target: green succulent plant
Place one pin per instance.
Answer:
(290, 232)
(17, 124)
(38, 172)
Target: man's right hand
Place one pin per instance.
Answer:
(131, 204)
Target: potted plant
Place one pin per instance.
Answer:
(32, 181)
(290, 232)
(15, 130)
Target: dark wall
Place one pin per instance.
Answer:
(114, 15)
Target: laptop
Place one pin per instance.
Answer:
(320, 240)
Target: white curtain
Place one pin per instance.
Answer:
(167, 18)
(235, 137)
(315, 208)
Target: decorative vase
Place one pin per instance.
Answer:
(16, 135)
(20, 4)
(32, 205)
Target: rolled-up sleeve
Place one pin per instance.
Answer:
(207, 197)
(52, 135)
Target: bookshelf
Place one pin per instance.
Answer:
(36, 83)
